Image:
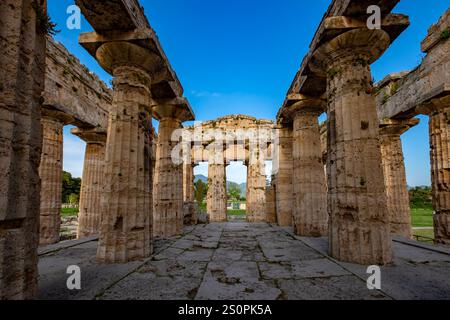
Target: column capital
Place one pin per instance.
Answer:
(91, 135)
(362, 45)
(397, 127)
(177, 109)
(121, 54)
(302, 104)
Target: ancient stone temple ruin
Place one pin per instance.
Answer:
(342, 182)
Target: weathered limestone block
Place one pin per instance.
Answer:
(50, 171)
(73, 89)
(126, 200)
(357, 205)
(310, 193)
(440, 172)
(216, 197)
(92, 182)
(284, 172)
(256, 185)
(395, 175)
(168, 184)
(22, 52)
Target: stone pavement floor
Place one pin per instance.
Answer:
(242, 261)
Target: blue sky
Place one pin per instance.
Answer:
(240, 56)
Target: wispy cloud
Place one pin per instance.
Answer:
(203, 94)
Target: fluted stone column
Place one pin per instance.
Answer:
(395, 176)
(168, 183)
(216, 197)
(310, 193)
(92, 182)
(125, 203)
(256, 186)
(22, 68)
(271, 208)
(440, 171)
(357, 205)
(50, 172)
(284, 171)
(189, 209)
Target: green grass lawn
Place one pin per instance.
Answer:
(236, 212)
(69, 212)
(422, 217)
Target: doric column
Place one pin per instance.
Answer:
(125, 203)
(310, 194)
(256, 185)
(359, 218)
(440, 167)
(50, 172)
(168, 183)
(92, 181)
(190, 214)
(395, 176)
(284, 171)
(271, 208)
(22, 68)
(216, 197)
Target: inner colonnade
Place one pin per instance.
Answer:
(343, 179)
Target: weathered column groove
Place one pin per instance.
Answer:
(283, 171)
(168, 183)
(256, 185)
(22, 69)
(216, 197)
(92, 182)
(440, 169)
(125, 233)
(309, 187)
(395, 176)
(50, 172)
(357, 205)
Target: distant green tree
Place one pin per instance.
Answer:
(420, 197)
(70, 186)
(201, 189)
(74, 198)
(234, 192)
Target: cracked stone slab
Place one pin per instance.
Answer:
(331, 288)
(148, 286)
